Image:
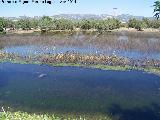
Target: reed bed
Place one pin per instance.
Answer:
(84, 59)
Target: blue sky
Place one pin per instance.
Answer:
(133, 7)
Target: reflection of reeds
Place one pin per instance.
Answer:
(145, 43)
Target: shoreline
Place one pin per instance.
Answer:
(151, 70)
(148, 30)
(122, 29)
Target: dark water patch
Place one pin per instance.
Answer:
(80, 90)
(146, 113)
(3, 79)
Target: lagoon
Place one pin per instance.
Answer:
(78, 90)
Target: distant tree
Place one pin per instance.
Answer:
(140, 25)
(155, 24)
(1, 27)
(113, 23)
(34, 23)
(86, 24)
(10, 24)
(46, 23)
(100, 25)
(147, 22)
(64, 24)
(24, 24)
(132, 23)
(2, 24)
(157, 9)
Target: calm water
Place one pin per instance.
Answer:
(132, 45)
(131, 95)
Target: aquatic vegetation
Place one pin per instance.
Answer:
(93, 61)
(97, 60)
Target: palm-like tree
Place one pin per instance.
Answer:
(157, 9)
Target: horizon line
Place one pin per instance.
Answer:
(78, 14)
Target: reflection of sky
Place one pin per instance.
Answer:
(37, 50)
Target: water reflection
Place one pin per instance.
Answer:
(132, 45)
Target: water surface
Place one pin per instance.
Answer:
(133, 45)
(131, 95)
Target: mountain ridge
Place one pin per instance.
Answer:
(122, 17)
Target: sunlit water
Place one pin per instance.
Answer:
(132, 95)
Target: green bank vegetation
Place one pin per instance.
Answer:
(46, 24)
(143, 24)
(27, 116)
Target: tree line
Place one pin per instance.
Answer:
(48, 24)
(143, 24)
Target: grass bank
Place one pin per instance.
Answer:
(6, 115)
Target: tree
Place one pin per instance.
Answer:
(100, 25)
(64, 24)
(85, 24)
(34, 23)
(157, 9)
(140, 25)
(113, 23)
(10, 24)
(46, 24)
(147, 22)
(2, 24)
(155, 24)
(24, 24)
(132, 23)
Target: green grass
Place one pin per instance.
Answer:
(26, 116)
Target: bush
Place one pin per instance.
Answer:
(24, 24)
(132, 23)
(2, 24)
(64, 24)
(46, 23)
(140, 25)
